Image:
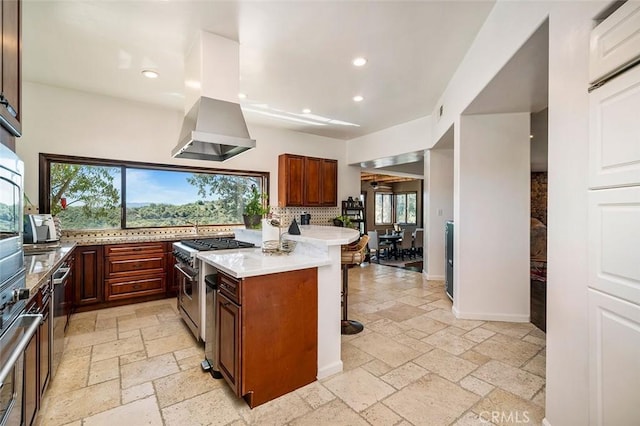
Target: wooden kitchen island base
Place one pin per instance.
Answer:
(267, 344)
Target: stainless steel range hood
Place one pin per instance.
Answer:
(213, 130)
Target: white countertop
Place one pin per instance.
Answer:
(315, 234)
(252, 262)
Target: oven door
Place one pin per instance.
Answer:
(188, 296)
(12, 345)
(11, 260)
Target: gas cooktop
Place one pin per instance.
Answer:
(216, 244)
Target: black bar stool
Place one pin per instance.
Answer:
(351, 255)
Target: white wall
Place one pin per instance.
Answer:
(439, 208)
(69, 122)
(404, 138)
(491, 217)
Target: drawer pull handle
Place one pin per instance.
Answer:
(137, 287)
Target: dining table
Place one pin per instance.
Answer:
(393, 239)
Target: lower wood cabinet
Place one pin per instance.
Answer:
(267, 345)
(135, 270)
(88, 275)
(31, 392)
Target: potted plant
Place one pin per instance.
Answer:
(254, 209)
(343, 221)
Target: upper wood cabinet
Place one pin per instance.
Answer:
(10, 66)
(307, 181)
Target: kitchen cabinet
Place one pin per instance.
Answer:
(276, 311)
(134, 270)
(307, 181)
(30, 376)
(10, 67)
(69, 290)
(88, 276)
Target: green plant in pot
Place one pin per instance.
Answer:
(343, 221)
(254, 209)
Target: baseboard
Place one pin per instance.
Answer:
(489, 317)
(432, 277)
(330, 370)
(545, 422)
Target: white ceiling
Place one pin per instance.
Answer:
(293, 54)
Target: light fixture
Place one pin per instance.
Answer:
(358, 98)
(530, 136)
(374, 183)
(150, 73)
(242, 95)
(359, 62)
(306, 111)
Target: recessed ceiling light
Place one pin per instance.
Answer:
(358, 98)
(306, 111)
(530, 136)
(242, 95)
(150, 73)
(358, 62)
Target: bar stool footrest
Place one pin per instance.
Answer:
(351, 327)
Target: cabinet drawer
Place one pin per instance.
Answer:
(230, 287)
(142, 286)
(125, 266)
(134, 249)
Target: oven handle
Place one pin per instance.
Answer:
(22, 344)
(189, 276)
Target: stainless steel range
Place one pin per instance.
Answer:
(191, 286)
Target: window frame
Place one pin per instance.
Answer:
(406, 195)
(375, 203)
(44, 180)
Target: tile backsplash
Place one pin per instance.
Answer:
(319, 215)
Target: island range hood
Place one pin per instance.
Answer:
(214, 128)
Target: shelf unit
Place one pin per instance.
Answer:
(355, 210)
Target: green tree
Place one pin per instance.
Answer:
(91, 188)
(230, 192)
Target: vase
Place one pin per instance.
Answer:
(252, 221)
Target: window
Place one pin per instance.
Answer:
(396, 208)
(384, 208)
(102, 194)
(406, 208)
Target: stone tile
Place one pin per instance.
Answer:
(514, 380)
(127, 334)
(412, 300)
(449, 342)
(448, 318)
(70, 353)
(81, 326)
(425, 324)
(507, 349)
(420, 292)
(184, 385)
(279, 411)
(102, 371)
(72, 374)
(476, 385)
(358, 388)
(445, 304)
(132, 322)
(393, 353)
(353, 357)
(168, 344)
(163, 309)
(513, 329)
(315, 394)
(431, 400)
(163, 330)
(479, 334)
(334, 413)
(379, 414)
(117, 348)
(401, 312)
(403, 375)
(416, 344)
(475, 357)
(377, 367)
(536, 332)
(445, 364)
(137, 392)
(504, 408)
(535, 340)
(415, 334)
(540, 397)
(191, 362)
(473, 419)
(133, 357)
(189, 352)
(81, 403)
(387, 327)
(199, 410)
(141, 412)
(106, 323)
(455, 331)
(147, 370)
(536, 366)
(90, 339)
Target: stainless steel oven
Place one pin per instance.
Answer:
(189, 295)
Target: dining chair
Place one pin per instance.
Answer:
(376, 246)
(418, 241)
(406, 245)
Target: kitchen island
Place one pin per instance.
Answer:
(317, 247)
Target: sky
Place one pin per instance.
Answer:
(160, 186)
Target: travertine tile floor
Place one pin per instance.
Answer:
(413, 364)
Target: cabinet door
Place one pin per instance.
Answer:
(290, 180)
(312, 181)
(614, 351)
(229, 342)
(89, 275)
(614, 134)
(329, 183)
(11, 50)
(31, 390)
(44, 352)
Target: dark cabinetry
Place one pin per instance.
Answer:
(134, 270)
(275, 311)
(10, 67)
(355, 211)
(307, 181)
(88, 275)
